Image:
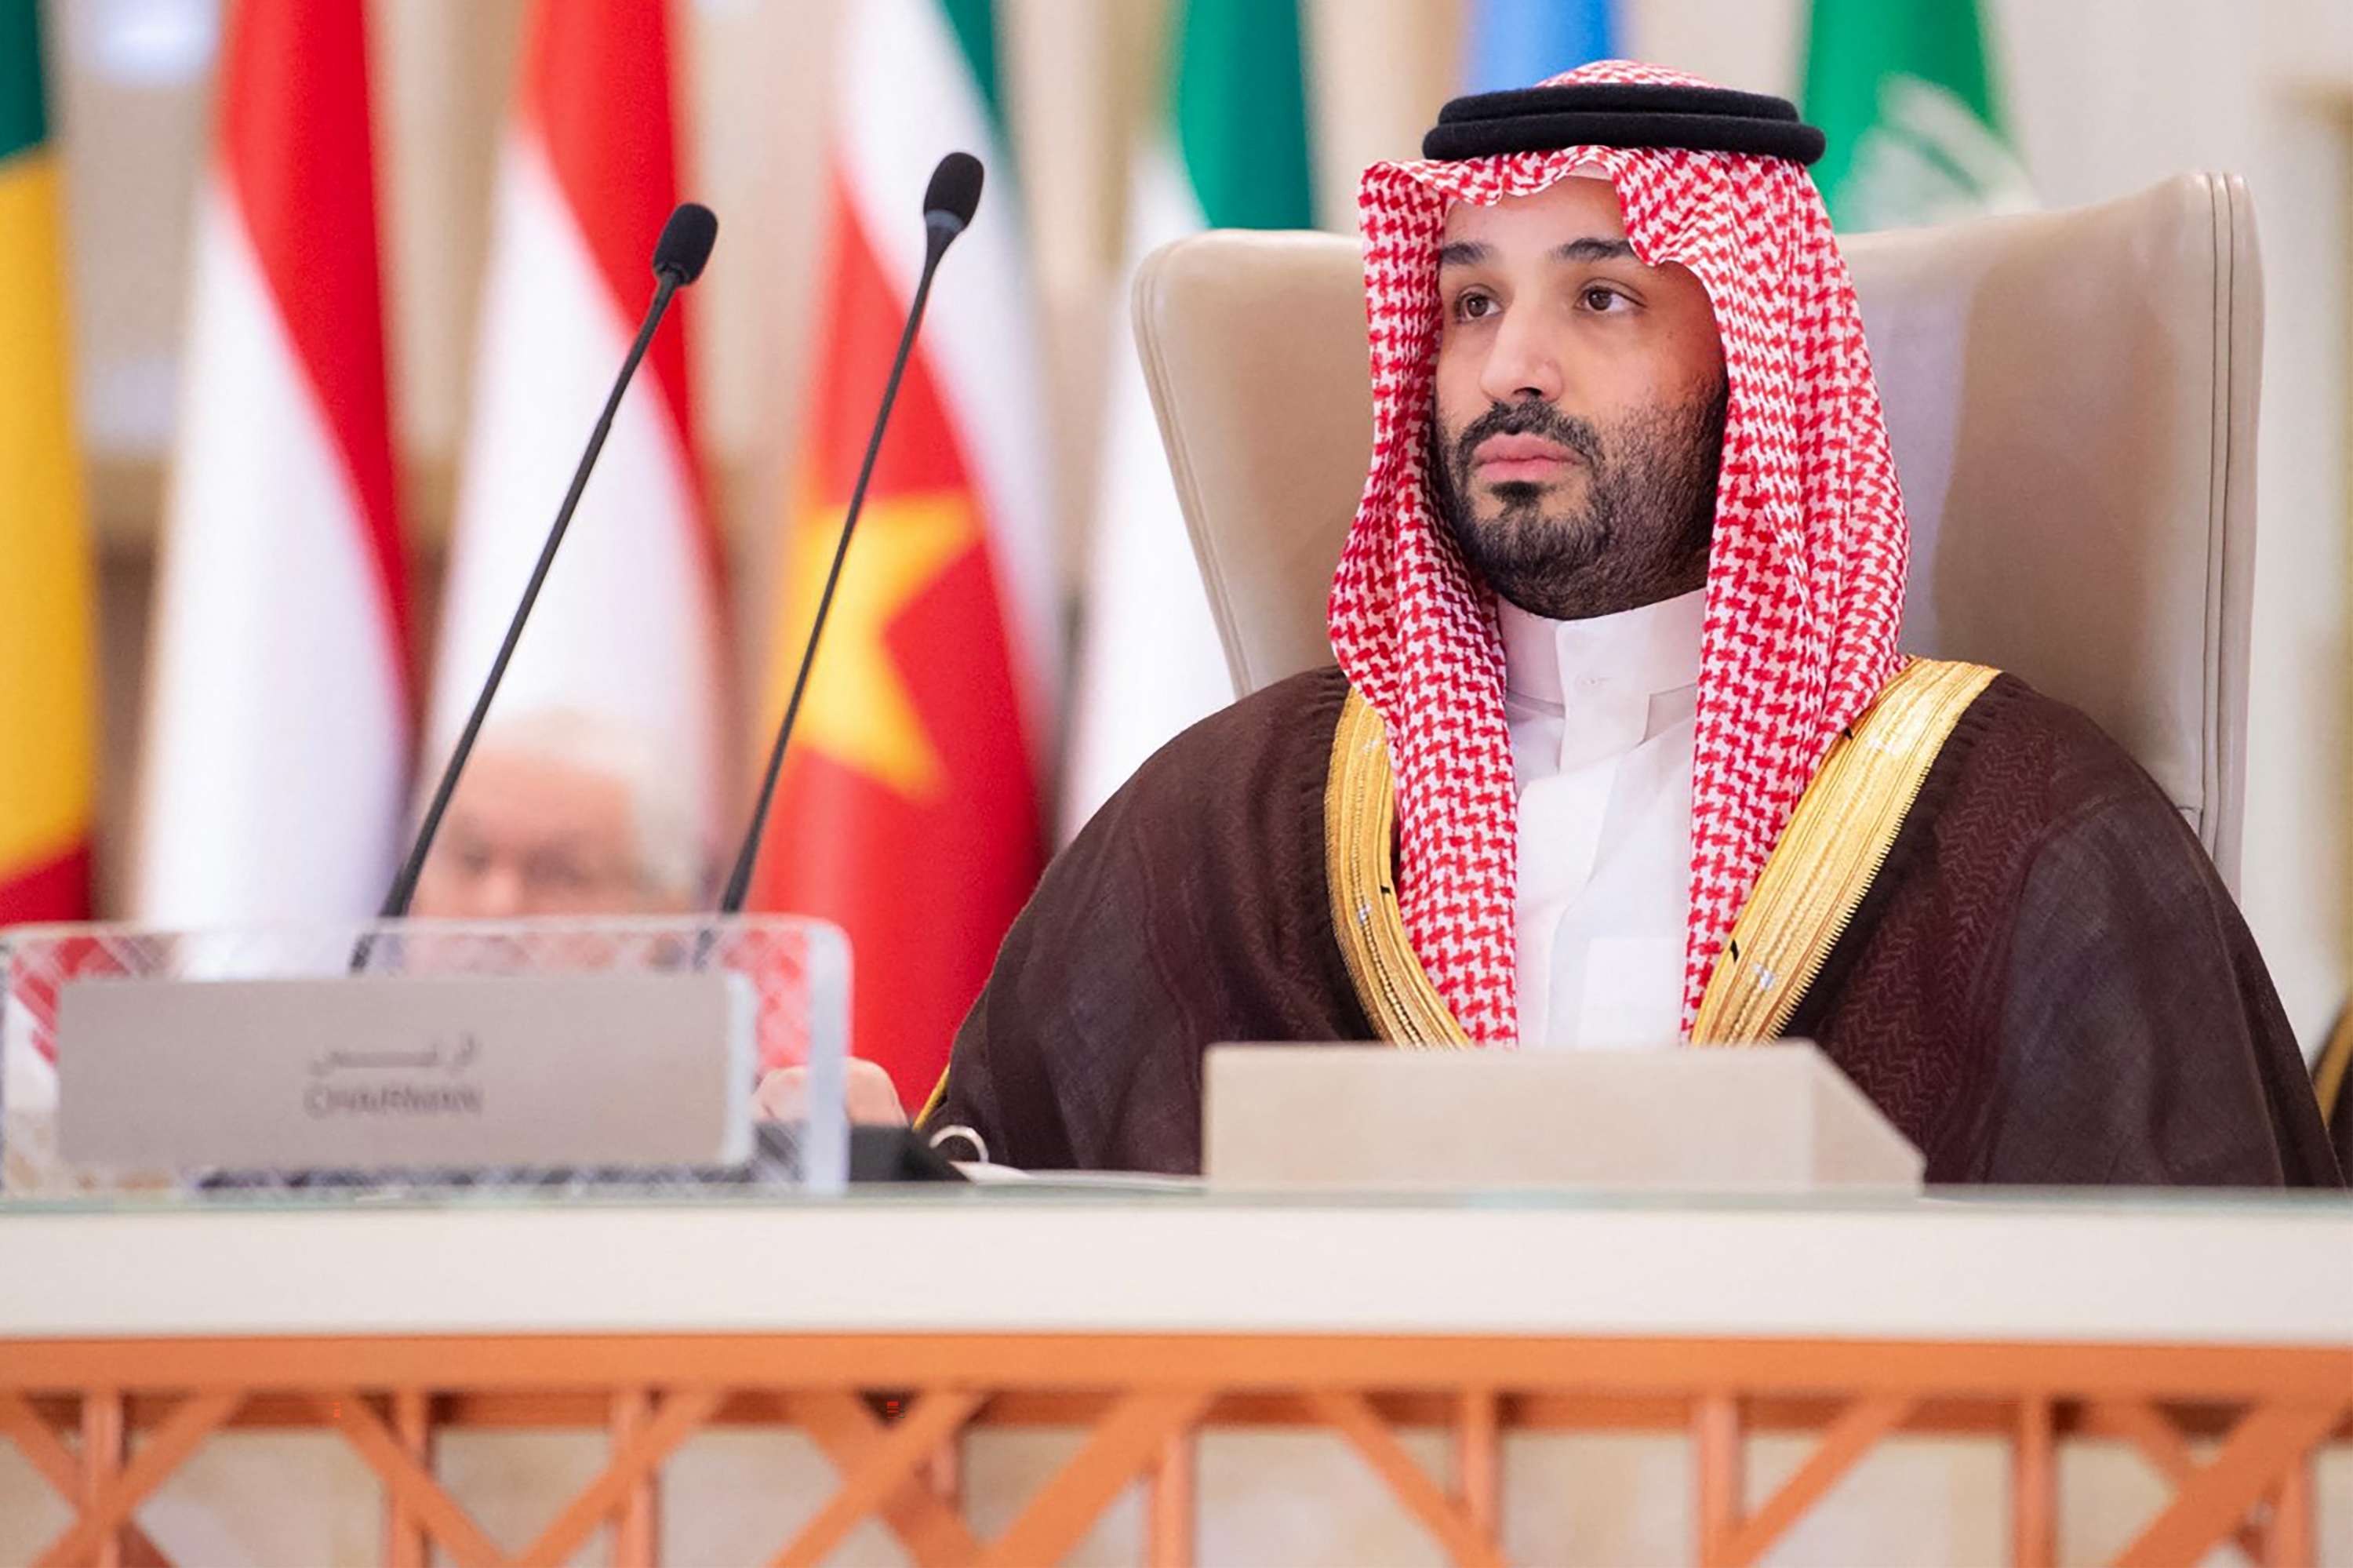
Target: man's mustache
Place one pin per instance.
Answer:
(1528, 418)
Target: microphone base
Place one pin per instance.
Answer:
(896, 1154)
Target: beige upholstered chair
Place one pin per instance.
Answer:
(2070, 396)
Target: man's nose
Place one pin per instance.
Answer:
(499, 893)
(1524, 360)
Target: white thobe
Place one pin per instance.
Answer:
(1601, 719)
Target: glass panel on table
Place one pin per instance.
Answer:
(429, 1060)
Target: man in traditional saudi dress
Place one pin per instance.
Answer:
(1622, 593)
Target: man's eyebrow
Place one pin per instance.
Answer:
(1593, 250)
(1478, 253)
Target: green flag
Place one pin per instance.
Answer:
(1239, 104)
(1902, 90)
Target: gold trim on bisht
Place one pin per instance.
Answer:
(1359, 822)
(1831, 851)
(2329, 1070)
(1827, 858)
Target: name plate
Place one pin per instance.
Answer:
(1761, 1118)
(388, 1072)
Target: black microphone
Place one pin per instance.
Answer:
(678, 257)
(948, 203)
(683, 248)
(953, 192)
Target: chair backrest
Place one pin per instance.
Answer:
(2070, 396)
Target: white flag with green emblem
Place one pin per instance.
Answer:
(1231, 154)
(1903, 90)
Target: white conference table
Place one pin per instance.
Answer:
(2214, 1333)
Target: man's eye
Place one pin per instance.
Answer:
(1598, 297)
(1473, 307)
(562, 874)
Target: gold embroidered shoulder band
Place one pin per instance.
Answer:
(1359, 820)
(2329, 1070)
(1836, 842)
(1834, 845)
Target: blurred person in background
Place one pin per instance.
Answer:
(565, 812)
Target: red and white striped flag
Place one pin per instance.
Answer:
(910, 809)
(274, 773)
(629, 627)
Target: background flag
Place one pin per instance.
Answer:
(1518, 43)
(1233, 154)
(1901, 90)
(275, 767)
(628, 626)
(48, 697)
(909, 809)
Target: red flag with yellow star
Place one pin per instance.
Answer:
(910, 809)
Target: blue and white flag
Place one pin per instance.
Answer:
(1517, 43)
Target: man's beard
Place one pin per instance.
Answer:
(1641, 533)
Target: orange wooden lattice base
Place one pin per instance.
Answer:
(887, 1412)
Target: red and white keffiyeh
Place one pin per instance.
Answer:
(1805, 582)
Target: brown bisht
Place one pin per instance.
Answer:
(2042, 981)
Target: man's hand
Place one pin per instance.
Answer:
(867, 1093)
